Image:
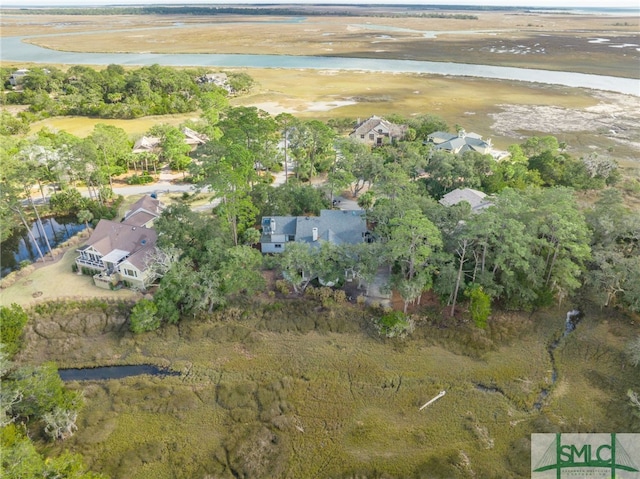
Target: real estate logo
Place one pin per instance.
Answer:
(593, 456)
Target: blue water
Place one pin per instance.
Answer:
(14, 49)
(20, 246)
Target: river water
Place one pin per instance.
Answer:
(14, 49)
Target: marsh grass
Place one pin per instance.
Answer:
(295, 388)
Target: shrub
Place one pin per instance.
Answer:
(24, 263)
(480, 306)
(142, 179)
(394, 324)
(282, 286)
(13, 320)
(339, 296)
(144, 317)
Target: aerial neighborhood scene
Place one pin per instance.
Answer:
(320, 240)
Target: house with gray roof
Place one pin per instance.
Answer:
(477, 199)
(376, 131)
(334, 226)
(460, 142)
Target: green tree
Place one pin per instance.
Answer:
(413, 241)
(228, 171)
(311, 144)
(42, 392)
(21, 460)
(256, 130)
(298, 264)
(112, 146)
(175, 151)
(286, 124)
(614, 271)
(240, 272)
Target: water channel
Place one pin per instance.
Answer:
(113, 372)
(14, 49)
(570, 324)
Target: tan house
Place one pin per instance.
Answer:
(193, 138)
(147, 144)
(119, 254)
(377, 131)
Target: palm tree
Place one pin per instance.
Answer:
(85, 216)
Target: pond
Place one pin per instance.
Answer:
(20, 246)
(113, 372)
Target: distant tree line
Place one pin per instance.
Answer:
(306, 11)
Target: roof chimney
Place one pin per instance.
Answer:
(314, 234)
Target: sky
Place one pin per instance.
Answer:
(528, 3)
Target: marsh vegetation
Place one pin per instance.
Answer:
(290, 388)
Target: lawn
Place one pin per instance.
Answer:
(55, 280)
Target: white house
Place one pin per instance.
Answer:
(18, 76)
(460, 142)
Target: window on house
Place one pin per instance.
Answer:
(291, 238)
(362, 136)
(130, 272)
(371, 136)
(277, 246)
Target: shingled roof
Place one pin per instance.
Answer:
(335, 226)
(109, 236)
(477, 199)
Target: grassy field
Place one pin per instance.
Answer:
(292, 389)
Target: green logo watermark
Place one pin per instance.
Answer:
(607, 456)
